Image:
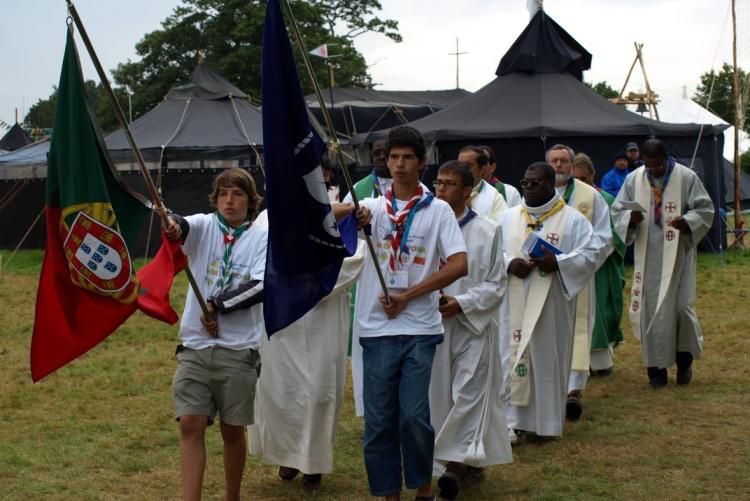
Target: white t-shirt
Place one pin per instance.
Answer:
(434, 235)
(204, 246)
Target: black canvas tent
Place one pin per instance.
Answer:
(538, 100)
(15, 138)
(358, 111)
(208, 119)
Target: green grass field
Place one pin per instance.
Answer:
(102, 427)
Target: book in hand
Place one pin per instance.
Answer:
(533, 246)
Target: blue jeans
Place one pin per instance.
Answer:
(396, 379)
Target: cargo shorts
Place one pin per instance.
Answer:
(216, 379)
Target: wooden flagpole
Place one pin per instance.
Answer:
(333, 137)
(155, 198)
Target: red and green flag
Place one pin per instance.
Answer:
(88, 285)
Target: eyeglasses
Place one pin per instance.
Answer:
(530, 183)
(437, 183)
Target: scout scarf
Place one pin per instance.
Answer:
(401, 221)
(231, 235)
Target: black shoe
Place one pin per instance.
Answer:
(450, 481)
(287, 473)
(602, 372)
(474, 475)
(312, 483)
(574, 407)
(684, 367)
(657, 378)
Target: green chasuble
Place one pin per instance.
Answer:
(610, 280)
(500, 187)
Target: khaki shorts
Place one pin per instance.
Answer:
(216, 379)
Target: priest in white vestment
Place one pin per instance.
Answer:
(301, 386)
(484, 199)
(466, 408)
(538, 313)
(586, 200)
(664, 210)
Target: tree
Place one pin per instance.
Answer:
(720, 99)
(231, 31)
(603, 89)
(42, 113)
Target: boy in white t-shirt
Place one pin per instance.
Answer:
(420, 250)
(218, 359)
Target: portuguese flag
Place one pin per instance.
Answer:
(88, 286)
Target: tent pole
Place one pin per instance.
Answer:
(155, 198)
(333, 137)
(739, 223)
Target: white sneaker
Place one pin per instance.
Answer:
(512, 436)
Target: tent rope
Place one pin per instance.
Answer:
(247, 138)
(12, 193)
(25, 236)
(158, 173)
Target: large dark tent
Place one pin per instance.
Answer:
(357, 111)
(538, 100)
(205, 125)
(15, 138)
(22, 174)
(208, 119)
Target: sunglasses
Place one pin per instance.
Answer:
(530, 183)
(437, 183)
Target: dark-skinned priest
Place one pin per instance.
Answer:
(552, 254)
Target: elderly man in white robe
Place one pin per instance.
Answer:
(484, 199)
(552, 254)
(586, 200)
(465, 405)
(301, 387)
(664, 209)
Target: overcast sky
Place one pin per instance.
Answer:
(682, 39)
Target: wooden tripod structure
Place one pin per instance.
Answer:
(649, 98)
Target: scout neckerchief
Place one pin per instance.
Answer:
(401, 221)
(658, 190)
(536, 223)
(470, 214)
(230, 237)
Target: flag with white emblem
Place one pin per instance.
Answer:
(305, 244)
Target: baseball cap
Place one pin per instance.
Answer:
(632, 146)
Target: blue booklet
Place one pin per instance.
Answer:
(533, 246)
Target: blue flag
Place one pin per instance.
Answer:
(305, 245)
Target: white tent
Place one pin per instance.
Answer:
(679, 108)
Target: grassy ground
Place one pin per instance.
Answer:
(102, 427)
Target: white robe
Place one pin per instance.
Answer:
(512, 196)
(466, 409)
(551, 344)
(301, 387)
(487, 202)
(676, 327)
(602, 227)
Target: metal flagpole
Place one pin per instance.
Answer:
(155, 198)
(334, 139)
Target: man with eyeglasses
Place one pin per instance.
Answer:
(538, 314)
(466, 409)
(485, 199)
(664, 209)
(586, 200)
